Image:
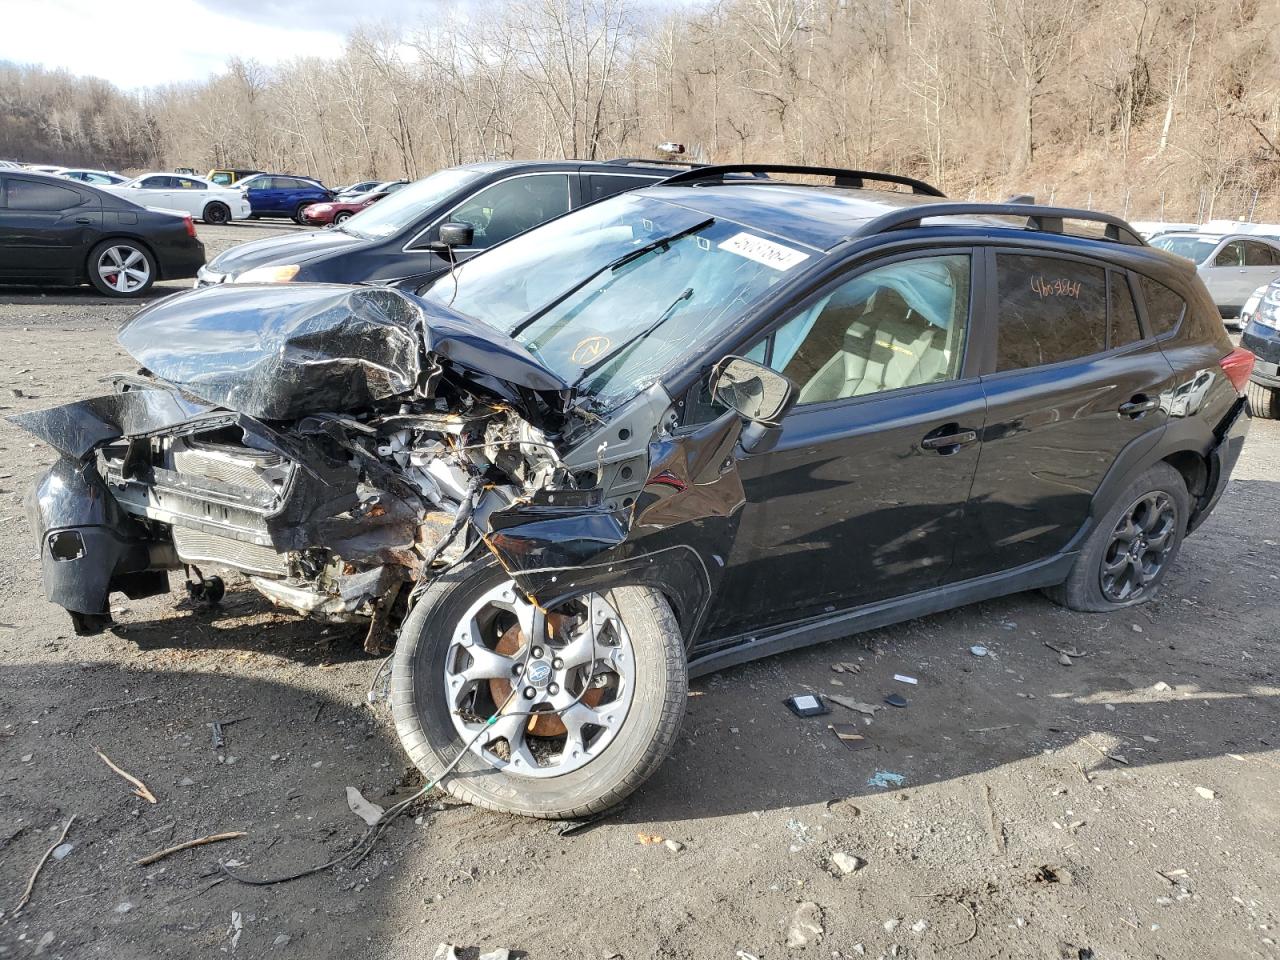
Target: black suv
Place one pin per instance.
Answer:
(682, 428)
(399, 236)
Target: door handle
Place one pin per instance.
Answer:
(83, 220)
(1138, 406)
(948, 442)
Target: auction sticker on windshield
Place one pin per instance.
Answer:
(764, 251)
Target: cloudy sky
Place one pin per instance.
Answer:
(142, 43)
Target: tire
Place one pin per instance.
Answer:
(298, 218)
(426, 722)
(1088, 587)
(342, 216)
(133, 281)
(1264, 402)
(216, 213)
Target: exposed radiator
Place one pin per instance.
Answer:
(195, 546)
(238, 471)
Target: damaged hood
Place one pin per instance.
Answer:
(289, 248)
(284, 351)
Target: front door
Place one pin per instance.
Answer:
(1074, 382)
(864, 496)
(43, 230)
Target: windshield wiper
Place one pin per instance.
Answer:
(632, 340)
(621, 261)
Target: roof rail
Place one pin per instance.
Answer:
(844, 178)
(1046, 219)
(645, 161)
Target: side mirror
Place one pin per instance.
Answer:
(759, 395)
(454, 235)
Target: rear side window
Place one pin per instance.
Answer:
(1050, 310)
(1164, 307)
(1257, 255)
(29, 195)
(1124, 316)
(600, 185)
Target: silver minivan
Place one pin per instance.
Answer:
(1231, 265)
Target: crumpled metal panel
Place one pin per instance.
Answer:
(282, 351)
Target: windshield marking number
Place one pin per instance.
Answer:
(764, 251)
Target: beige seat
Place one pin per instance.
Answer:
(888, 347)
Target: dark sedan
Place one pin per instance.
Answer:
(399, 237)
(60, 232)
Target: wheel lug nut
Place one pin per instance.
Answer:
(553, 688)
(558, 663)
(537, 652)
(518, 669)
(529, 693)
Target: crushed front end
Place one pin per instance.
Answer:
(329, 447)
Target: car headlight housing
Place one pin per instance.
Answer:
(321, 207)
(277, 274)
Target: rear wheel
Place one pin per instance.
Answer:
(121, 268)
(1264, 402)
(1130, 551)
(216, 212)
(342, 216)
(588, 697)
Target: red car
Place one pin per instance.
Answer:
(336, 211)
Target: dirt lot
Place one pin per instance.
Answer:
(1016, 808)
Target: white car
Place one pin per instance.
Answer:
(97, 178)
(201, 198)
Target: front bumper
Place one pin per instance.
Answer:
(1264, 343)
(208, 278)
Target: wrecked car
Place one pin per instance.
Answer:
(716, 419)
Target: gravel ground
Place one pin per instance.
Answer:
(1128, 804)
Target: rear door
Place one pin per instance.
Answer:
(266, 193)
(45, 229)
(1072, 381)
(864, 496)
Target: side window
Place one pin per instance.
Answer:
(601, 185)
(501, 211)
(29, 195)
(894, 326)
(1257, 254)
(1164, 307)
(1050, 310)
(1232, 255)
(1124, 317)
(157, 183)
(185, 184)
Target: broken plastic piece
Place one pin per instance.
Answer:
(807, 705)
(895, 700)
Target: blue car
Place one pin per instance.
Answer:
(273, 195)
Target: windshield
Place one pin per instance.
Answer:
(1195, 249)
(615, 294)
(405, 206)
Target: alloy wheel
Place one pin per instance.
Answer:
(1139, 548)
(124, 268)
(562, 682)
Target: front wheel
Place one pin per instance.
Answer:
(1130, 551)
(588, 698)
(1264, 402)
(298, 218)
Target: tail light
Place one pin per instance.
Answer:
(191, 232)
(1237, 365)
